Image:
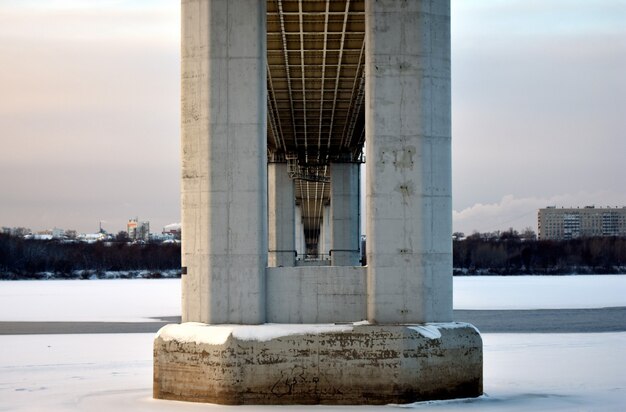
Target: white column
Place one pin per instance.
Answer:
(224, 161)
(344, 214)
(281, 216)
(299, 232)
(326, 232)
(409, 221)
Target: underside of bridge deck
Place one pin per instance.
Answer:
(316, 87)
(276, 99)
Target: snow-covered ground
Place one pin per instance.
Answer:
(542, 372)
(539, 292)
(105, 372)
(114, 300)
(133, 300)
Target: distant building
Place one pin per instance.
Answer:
(91, 237)
(42, 235)
(571, 223)
(138, 230)
(173, 230)
(58, 233)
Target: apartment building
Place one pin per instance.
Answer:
(570, 223)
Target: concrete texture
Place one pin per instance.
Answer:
(408, 193)
(281, 216)
(356, 365)
(316, 294)
(344, 214)
(399, 358)
(224, 161)
(324, 243)
(299, 233)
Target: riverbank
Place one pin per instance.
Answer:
(546, 271)
(176, 273)
(95, 274)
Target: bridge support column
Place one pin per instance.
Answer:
(299, 233)
(408, 195)
(344, 214)
(410, 350)
(281, 216)
(224, 161)
(325, 232)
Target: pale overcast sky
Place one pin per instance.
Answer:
(89, 111)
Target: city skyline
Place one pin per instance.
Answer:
(89, 119)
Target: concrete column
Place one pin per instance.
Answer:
(409, 221)
(224, 161)
(325, 232)
(344, 214)
(299, 233)
(281, 216)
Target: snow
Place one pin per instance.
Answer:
(428, 331)
(135, 300)
(547, 372)
(104, 372)
(114, 300)
(361, 323)
(433, 330)
(217, 335)
(539, 292)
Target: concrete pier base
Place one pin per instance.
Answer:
(317, 364)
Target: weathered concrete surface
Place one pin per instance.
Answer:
(281, 216)
(344, 214)
(316, 294)
(361, 365)
(299, 233)
(408, 192)
(224, 160)
(324, 243)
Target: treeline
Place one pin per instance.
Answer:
(28, 258)
(511, 253)
(499, 253)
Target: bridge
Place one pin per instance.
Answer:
(282, 102)
(316, 90)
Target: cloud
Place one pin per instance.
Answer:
(521, 212)
(537, 107)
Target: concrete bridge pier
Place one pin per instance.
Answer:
(325, 232)
(344, 214)
(339, 334)
(409, 183)
(299, 233)
(224, 161)
(281, 216)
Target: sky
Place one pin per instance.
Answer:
(90, 92)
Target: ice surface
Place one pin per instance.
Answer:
(543, 372)
(539, 292)
(132, 300)
(113, 372)
(113, 300)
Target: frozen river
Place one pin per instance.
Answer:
(103, 372)
(140, 300)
